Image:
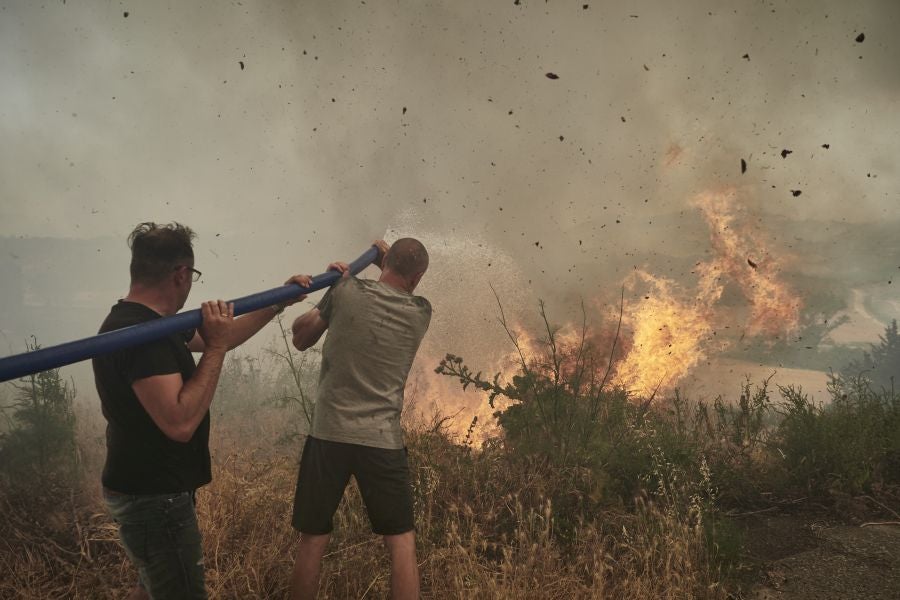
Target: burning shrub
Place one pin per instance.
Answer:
(565, 412)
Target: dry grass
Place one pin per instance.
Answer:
(487, 528)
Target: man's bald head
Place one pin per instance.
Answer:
(407, 258)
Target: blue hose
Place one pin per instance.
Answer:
(20, 365)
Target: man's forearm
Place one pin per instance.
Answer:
(307, 329)
(197, 393)
(248, 325)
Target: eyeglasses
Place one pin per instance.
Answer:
(195, 274)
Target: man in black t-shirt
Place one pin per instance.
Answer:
(156, 402)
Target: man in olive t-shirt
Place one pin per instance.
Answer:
(374, 331)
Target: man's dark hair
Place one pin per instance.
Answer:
(157, 249)
(407, 257)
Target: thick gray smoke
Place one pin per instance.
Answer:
(546, 147)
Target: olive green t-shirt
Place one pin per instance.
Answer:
(374, 331)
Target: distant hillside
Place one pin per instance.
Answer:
(58, 289)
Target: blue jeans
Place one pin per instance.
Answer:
(162, 538)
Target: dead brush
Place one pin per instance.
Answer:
(244, 517)
(489, 525)
(64, 547)
(661, 554)
(492, 533)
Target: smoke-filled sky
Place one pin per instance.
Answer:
(291, 133)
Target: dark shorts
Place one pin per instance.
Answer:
(161, 536)
(381, 474)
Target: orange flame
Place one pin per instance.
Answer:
(669, 334)
(673, 331)
(774, 307)
(668, 330)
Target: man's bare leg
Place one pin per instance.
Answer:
(404, 570)
(305, 579)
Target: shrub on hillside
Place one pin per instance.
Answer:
(38, 448)
(881, 364)
(845, 446)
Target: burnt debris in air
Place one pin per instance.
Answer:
(743, 166)
(785, 152)
(552, 76)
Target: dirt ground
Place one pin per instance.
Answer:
(819, 556)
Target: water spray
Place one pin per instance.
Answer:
(20, 365)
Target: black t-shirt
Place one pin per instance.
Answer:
(140, 459)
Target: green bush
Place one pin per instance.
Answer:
(845, 446)
(881, 364)
(38, 448)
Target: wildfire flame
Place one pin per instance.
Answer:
(669, 329)
(673, 331)
(774, 307)
(668, 335)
